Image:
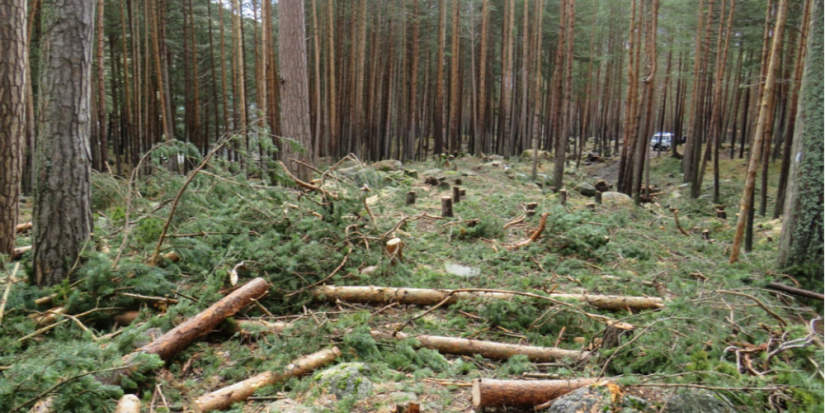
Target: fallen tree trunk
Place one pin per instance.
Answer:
(24, 227)
(421, 296)
(522, 393)
(129, 403)
(795, 291)
(489, 349)
(241, 391)
(176, 339)
(18, 252)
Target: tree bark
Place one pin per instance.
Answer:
(294, 85)
(238, 392)
(522, 393)
(13, 88)
(800, 243)
(62, 207)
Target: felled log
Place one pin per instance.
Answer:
(176, 339)
(446, 206)
(24, 227)
(795, 291)
(423, 297)
(489, 349)
(18, 252)
(126, 318)
(522, 393)
(223, 398)
(129, 403)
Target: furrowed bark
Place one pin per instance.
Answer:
(489, 349)
(423, 297)
(522, 393)
(241, 391)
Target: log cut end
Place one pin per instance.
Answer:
(129, 403)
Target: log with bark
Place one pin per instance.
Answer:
(489, 349)
(129, 403)
(18, 252)
(238, 392)
(24, 227)
(522, 393)
(795, 291)
(176, 339)
(423, 296)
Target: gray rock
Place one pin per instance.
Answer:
(587, 189)
(388, 165)
(346, 380)
(595, 398)
(403, 397)
(288, 406)
(690, 401)
(528, 155)
(616, 199)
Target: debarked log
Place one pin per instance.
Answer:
(522, 393)
(223, 398)
(422, 296)
(488, 349)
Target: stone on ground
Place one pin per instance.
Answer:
(346, 380)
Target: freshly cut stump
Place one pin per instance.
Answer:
(446, 206)
(129, 403)
(522, 393)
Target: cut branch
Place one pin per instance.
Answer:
(241, 391)
(489, 349)
(795, 291)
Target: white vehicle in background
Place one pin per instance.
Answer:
(661, 141)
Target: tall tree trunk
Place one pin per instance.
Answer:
(237, 14)
(800, 243)
(790, 125)
(536, 127)
(746, 202)
(101, 92)
(412, 133)
(438, 116)
(62, 208)
(156, 33)
(294, 84)
(318, 108)
(332, 126)
(13, 87)
(481, 127)
(455, 61)
(558, 100)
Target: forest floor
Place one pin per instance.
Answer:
(715, 331)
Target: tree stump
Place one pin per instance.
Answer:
(706, 235)
(563, 197)
(458, 181)
(409, 408)
(411, 198)
(720, 212)
(531, 206)
(462, 192)
(591, 206)
(394, 249)
(446, 206)
(456, 195)
(599, 197)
